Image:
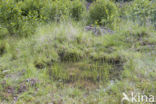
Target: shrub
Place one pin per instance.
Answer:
(8, 14)
(55, 10)
(20, 17)
(103, 12)
(142, 11)
(62, 9)
(11, 18)
(33, 7)
(77, 9)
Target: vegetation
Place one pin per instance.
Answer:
(103, 12)
(48, 56)
(142, 11)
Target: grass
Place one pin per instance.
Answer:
(63, 63)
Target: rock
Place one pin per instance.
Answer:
(33, 82)
(30, 82)
(22, 88)
(99, 30)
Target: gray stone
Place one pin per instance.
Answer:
(99, 30)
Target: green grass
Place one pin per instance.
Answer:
(48, 57)
(63, 63)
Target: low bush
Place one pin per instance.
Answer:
(32, 6)
(103, 12)
(11, 18)
(20, 17)
(63, 9)
(77, 9)
(54, 10)
(142, 11)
